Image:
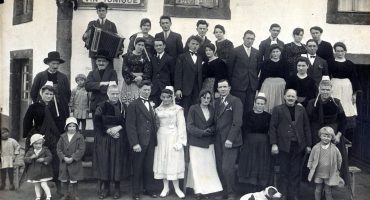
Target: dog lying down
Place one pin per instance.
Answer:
(269, 193)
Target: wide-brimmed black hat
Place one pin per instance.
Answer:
(53, 55)
(102, 53)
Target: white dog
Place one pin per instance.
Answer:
(269, 193)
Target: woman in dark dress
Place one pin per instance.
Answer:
(293, 50)
(135, 68)
(42, 117)
(214, 70)
(145, 26)
(224, 46)
(274, 73)
(326, 110)
(302, 83)
(254, 160)
(111, 155)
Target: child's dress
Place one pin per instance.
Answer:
(80, 102)
(39, 171)
(9, 149)
(72, 148)
(325, 164)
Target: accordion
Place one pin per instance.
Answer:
(100, 39)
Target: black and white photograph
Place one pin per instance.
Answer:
(185, 99)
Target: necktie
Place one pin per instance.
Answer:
(159, 56)
(165, 35)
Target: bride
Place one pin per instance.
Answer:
(169, 163)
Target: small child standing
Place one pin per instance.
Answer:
(9, 150)
(39, 170)
(80, 101)
(324, 163)
(70, 150)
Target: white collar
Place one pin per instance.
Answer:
(276, 39)
(325, 146)
(160, 54)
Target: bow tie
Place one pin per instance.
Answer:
(192, 53)
(312, 56)
(145, 100)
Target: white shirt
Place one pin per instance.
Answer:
(159, 55)
(194, 57)
(146, 103)
(102, 21)
(273, 41)
(248, 50)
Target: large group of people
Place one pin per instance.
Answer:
(212, 106)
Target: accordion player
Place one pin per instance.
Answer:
(101, 39)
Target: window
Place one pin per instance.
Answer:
(354, 5)
(22, 11)
(209, 9)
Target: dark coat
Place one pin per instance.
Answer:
(196, 125)
(201, 50)
(98, 92)
(163, 73)
(318, 69)
(281, 127)
(186, 72)
(74, 149)
(37, 170)
(229, 119)
(174, 46)
(108, 26)
(325, 51)
(63, 90)
(140, 124)
(243, 70)
(264, 49)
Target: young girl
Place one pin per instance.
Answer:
(9, 150)
(324, 164)
(70, 149)
(80, 101)
(39, 170)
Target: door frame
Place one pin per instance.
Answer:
(14, 98)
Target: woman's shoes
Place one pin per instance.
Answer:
(164, 193)
(180, 194)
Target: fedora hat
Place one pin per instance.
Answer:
(102, 53)
(53, 55)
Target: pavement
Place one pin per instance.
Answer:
(87, 191)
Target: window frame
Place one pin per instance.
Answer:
(333, 16)
(25, 17)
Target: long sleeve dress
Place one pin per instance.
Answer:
(345, 83)
(306, 88)
(168, 163)
(272, 82)
(291, 53)
(133, 66)
(254, 160)
(111, 155)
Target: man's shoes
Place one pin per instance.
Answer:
(103, 194)
(136, 197)
(151, 194)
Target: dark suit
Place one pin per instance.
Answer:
(107, 26)
(141, 129)
(163, 74)
(174, 46)
(292, 137)
(196, 124)
(243, 75)
(202, 48)
(98, 92)
(318, 69)
(62, 94)
(188, 79)
(228, 120)
(264, 49)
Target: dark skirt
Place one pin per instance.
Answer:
(111, 160)
(254, 160)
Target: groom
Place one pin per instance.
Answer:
(141, 133)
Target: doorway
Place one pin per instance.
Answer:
(20, 87)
